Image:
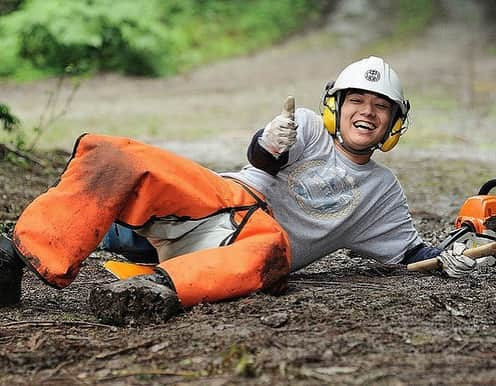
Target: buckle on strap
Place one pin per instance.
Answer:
(260, 203)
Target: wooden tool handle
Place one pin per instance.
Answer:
(483, 250)
(434, 263)
(424, 265)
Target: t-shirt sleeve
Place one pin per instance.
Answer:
(310, 130)
(262, 159)
(386, 231)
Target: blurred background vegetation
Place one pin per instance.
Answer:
(149, 38)
(153, 38)
(60, 44)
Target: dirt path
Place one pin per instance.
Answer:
(344, 320)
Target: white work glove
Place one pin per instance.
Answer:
(280, 134)
(456, 264)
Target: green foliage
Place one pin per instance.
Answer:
(413, 16)
(8, 120)
(7, 6)
(153, 37)
(17, 138)
(241, 359)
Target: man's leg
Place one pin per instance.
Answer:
(259, 259)
(108, 179)
(11, 268)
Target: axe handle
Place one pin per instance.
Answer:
(434, 263)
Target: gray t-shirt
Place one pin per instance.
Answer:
(326, 202)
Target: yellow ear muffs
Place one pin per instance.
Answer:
(394, 136)
(329, 115)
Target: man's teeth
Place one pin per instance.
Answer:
(364, 125)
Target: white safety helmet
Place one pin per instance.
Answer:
(372, 74)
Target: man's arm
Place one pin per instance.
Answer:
(453, 262)
(269, 147)
(420, 252)
(129, 244)
(262, 159)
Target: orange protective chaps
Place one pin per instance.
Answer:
(117, 179)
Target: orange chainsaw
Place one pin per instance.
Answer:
(475, 227)
(475, 224)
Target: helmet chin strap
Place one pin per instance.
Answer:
(347, 147)
(371, 149)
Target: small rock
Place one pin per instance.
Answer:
(275, 320)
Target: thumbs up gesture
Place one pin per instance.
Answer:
(280, 134)
(288, 109)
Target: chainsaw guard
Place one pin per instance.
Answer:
(486, 188)
(466, 236)
(475, 224)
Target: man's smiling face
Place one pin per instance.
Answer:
(365, 117)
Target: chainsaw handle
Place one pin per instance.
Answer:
(487, 187)
(434, 263)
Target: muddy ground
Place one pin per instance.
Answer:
(345, 319)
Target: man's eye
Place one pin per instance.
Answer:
(382, 106)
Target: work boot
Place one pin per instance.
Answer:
(142, 299)
(11, 267)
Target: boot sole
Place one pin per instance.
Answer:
(133, 301)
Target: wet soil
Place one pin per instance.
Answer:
(345, 319)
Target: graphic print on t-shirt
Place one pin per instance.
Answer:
(323, 189)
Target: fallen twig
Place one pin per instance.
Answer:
(127, 373)
(4, 148)
(136, 346)
(327, 283)
(56, 370)
(48, 323)
(126, 349)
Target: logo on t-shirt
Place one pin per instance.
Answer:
(323, 189)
